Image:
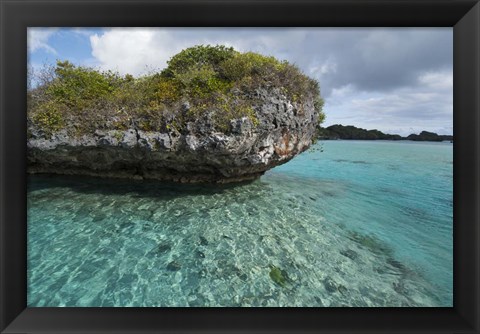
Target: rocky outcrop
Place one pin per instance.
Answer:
(199, 154)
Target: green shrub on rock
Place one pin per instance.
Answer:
(250, 64)
(49, 117)
(198, 56)
(212, 80)
(76, 87)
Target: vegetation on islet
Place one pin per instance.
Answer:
(217, 82)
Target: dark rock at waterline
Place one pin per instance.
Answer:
(197, 154)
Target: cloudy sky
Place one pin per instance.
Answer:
(397, 80)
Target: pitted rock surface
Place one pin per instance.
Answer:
(199, 154)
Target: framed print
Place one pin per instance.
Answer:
(207, 166)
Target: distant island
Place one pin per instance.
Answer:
(338, 131)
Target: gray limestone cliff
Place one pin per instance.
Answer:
(197, 154)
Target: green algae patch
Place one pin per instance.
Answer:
(279, 276)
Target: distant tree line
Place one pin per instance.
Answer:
(338, 131)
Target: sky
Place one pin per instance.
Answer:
(396, 80)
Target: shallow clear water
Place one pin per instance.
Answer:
(347, 223)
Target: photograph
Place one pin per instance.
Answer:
(240, 167)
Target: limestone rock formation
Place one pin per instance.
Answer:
(198, 154)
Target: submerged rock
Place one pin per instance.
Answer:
(174, 266)
(351, 254)
(197, 154)
(163, 248)
(371, 242)
(330, 285)
(203, 241)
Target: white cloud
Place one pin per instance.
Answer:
(437, 80)
(329, 66)
(37, 38)
(341, 92)
(389, 79)
(131, 50)
(138, 50)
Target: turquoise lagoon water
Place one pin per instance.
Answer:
(347, 223)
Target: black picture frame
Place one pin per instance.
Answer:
(462, 15)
